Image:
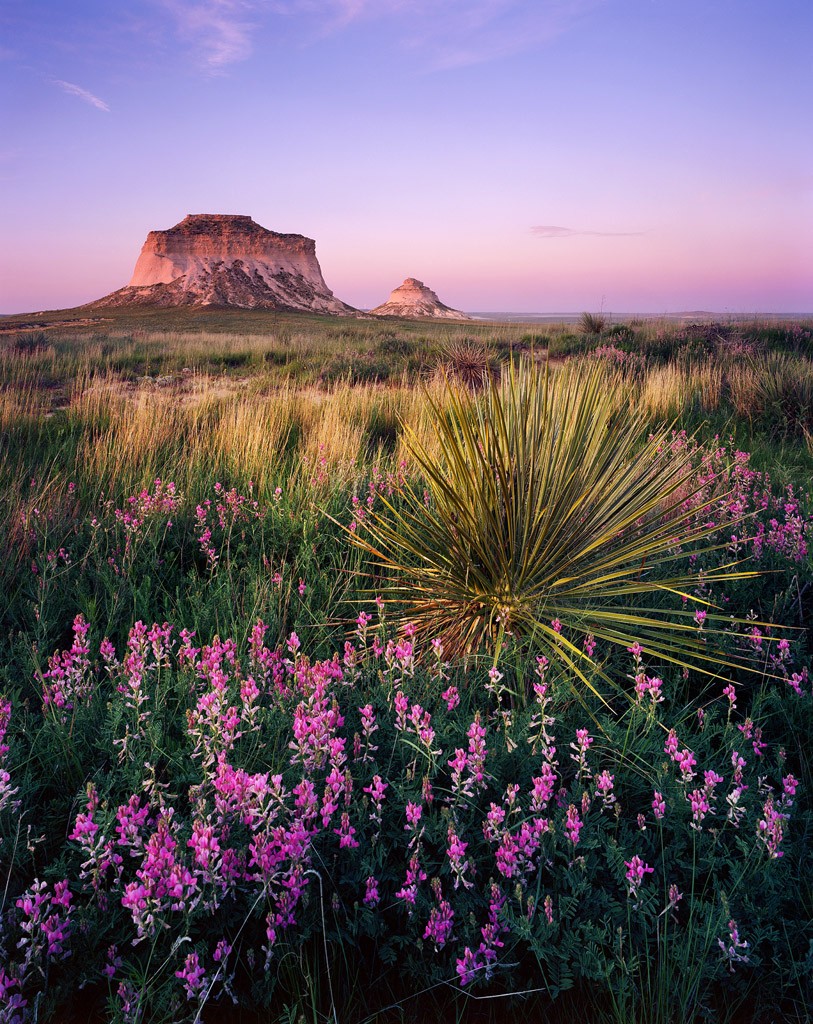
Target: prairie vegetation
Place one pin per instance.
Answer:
(369, 672)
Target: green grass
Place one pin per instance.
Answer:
(310, 349)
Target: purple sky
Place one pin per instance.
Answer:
(516, 155)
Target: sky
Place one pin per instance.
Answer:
(630, 156)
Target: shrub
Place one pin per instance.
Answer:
(592, 323)
(470, 362)
(620, 332)
(547, 506)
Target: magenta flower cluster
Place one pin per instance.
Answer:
(224, 519)
(381, 799)
(67, 680)
(778, 521)
(7, 791)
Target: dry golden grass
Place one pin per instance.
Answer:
(211, 431)
(676, 388)
(299, 399)
(21, 406)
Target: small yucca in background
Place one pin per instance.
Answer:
(548, 505)
(592, 323)
(469, 361)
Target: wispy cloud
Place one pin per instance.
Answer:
(554, 231)
(83, 94)
(221, 30)
(476, 31)
(445, 35)
(455, 33)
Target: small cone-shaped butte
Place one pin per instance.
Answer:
(412, 299)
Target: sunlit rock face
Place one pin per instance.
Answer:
(412, 299)
(228, 260)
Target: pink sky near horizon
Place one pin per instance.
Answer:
(528, 156)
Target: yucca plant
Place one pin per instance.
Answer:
(592, 323)
(470, 362)
(548, 502)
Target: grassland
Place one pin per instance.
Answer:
(205, 471)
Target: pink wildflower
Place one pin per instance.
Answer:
(700, 807)
(452, 697)
(456, 853)
(371, 895)
(193, 976)
(439, 926)
(636, 872)
(731, 948)
(573, 824)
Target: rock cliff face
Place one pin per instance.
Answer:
(227, 260)
(412, 299)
